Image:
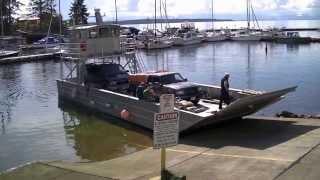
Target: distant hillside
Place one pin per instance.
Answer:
(151, 21)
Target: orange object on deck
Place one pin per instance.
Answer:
(136, 79)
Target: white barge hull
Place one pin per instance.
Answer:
(141, 112)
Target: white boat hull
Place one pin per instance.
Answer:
(246, 38)
(141, 112)
(184, 42)
(159, 45)
(215, 38)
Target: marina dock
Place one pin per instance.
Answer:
(252, 148)
(29, 58)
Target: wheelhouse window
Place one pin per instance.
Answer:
(116, 32)
(93, 34)
(109, 32)
(105, 32)
(77, 35)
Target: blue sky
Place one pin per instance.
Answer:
(230, 9)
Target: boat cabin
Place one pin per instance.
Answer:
(292, 34)
(11, 42)
(97, 40)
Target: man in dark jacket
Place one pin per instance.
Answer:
(224, 95)
(139, 91)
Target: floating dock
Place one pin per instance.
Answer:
(252, 148)
(30, 58)
(316, 40)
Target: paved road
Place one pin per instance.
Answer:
(254, 148)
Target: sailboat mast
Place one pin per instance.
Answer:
(60, 22)
(166, 13)
(212, 24)
(155, 18)
(1, 14)
(160, 11)
(248, 14)
(116, 9)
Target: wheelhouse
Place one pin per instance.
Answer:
(98, 40)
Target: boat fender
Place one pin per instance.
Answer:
(83, 46)
(125, 114)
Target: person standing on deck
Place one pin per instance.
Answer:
(224, 93)
(140, 90)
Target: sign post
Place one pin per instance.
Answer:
(166, 128)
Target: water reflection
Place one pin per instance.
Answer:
(188, 51)
(95, 139)
(10, 92)
(3, 126)
(293, 48)
(249, 73)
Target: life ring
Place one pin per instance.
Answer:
(83, 46)
(125, 114)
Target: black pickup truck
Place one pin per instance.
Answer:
(108, 76)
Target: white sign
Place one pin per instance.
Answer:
(166, 103)
(165, 130)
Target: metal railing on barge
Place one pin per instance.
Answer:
(74, 54)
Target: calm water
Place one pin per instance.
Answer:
(250, 68)
(33, 127)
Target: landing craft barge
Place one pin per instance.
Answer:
(141, 112)
(100, 39)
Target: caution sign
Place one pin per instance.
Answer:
(165, 130)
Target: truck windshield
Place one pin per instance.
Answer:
(113, 68)
(172, 78)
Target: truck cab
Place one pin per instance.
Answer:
(167, 82)
(110, 76)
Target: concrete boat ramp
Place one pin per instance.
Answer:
(251, 148)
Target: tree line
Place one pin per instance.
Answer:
(45, 11)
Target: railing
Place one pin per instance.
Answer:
(77, 52)
(72, 51)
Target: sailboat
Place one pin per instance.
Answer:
(247, 34)
(187, 35)
(156, 42)
(214, 36)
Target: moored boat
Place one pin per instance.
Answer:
(290, 37)
(215, 37)
(5, 54)
(157, 44)
(246, 36)
(187, 38)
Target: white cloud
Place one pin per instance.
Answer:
(23, 9)
(107, 6)
(298, 4)
(189, 8)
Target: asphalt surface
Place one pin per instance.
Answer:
(253, 148)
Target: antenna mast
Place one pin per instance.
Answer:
(115, 6)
